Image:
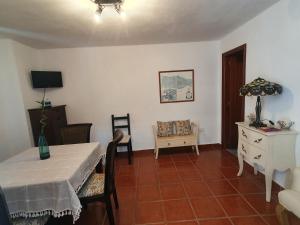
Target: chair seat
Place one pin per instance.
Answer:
(290, 200)
(125, 139)
(30, 221)
(93, 186)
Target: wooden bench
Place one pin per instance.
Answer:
(176, 140)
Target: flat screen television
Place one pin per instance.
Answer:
(46, 79)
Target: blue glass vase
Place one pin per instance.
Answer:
(43, 147)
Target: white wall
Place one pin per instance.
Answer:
(101, 81)
(14, 133)
(273, 52)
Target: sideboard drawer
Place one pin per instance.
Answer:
(244, 148)
(258, 140)
(244, 134)
(257, 156)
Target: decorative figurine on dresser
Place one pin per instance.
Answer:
(264, 147)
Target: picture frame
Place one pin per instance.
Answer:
(176, 86)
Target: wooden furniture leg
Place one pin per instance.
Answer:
(269, 179)
(282, 215)
(197, 149)
(156, 153)
(241, 164)
(255, 169)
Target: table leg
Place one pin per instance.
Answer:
(241, 164)
(269, 179)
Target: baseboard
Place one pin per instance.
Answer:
(215, 146)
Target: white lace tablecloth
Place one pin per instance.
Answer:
(35, 187)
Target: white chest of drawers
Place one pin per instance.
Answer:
(269, 150)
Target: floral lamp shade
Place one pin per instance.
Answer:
(260, 87)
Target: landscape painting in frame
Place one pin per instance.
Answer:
(176, 86)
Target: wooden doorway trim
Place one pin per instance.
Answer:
(243, 49)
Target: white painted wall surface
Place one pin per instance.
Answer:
(25, 61)
(273, 52)
(14, 134)
(101, 81)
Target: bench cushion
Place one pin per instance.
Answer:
(165, 129)
(183, 127)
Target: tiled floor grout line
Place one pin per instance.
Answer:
(178, 168)
(217, 200)
(213, 195)
(243, 197)
(160, 192)
(136, 191)
(186, 194)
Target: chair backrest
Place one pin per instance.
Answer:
(120, 122)
(76, 133)
(4, 213)
(110, 162)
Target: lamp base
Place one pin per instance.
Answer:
(257, 124)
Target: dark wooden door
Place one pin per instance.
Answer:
(234, 63)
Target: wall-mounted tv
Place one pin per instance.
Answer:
(46, 79)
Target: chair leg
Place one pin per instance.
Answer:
(109, 211)
(131, 148)
(282, 215)
(129, 152)
(116, 198)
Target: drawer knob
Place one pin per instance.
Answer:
(184, 142)
(258, 140)
(243, 149)
(258, 156)
(169, 144)
(244, 134)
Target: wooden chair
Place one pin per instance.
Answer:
(76, 133)
(6, 220)
(126, 141)
(289, 200)
(100, 187)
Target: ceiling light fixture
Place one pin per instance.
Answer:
(116, 4)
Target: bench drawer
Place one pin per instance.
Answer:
(168, 143)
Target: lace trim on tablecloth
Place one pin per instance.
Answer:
(49, 212)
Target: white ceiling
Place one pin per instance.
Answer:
(70, 23)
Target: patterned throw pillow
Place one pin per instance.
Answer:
(183, 127)
(165, 129)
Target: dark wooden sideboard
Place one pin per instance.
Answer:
(56, 119)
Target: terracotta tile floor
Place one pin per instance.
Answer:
(183, 189)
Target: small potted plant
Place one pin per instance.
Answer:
(42, 142)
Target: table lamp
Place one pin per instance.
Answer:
(260, 87)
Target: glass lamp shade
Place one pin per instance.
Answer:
(260, 87)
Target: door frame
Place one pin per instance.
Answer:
(242, 48)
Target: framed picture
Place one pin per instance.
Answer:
(176, 86)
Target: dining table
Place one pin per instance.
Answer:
(36, 188)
